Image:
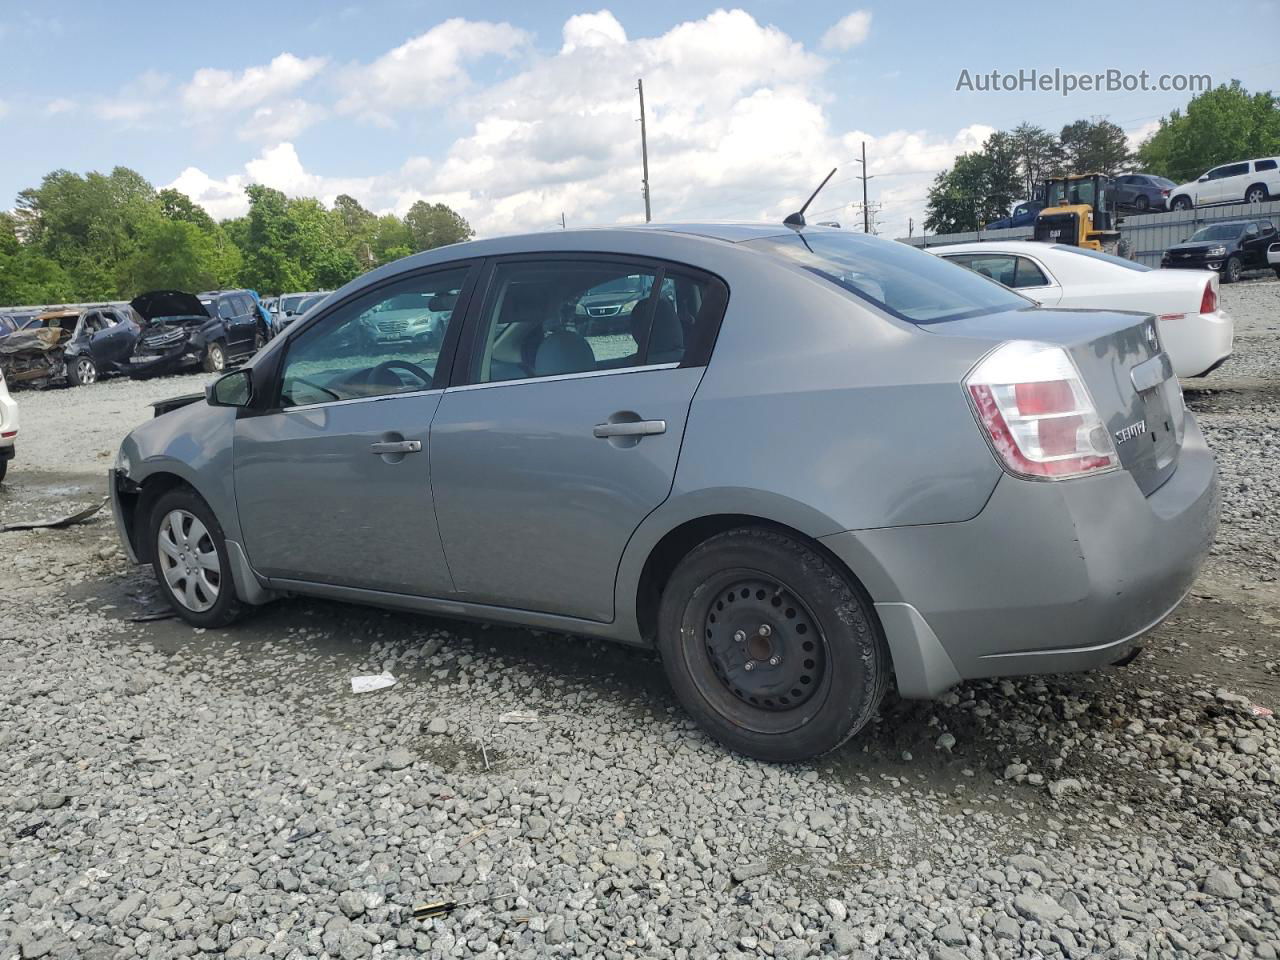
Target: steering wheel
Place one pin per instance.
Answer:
(392, 365)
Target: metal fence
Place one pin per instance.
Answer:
(1148, 235)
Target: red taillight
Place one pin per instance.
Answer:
(1036, 412)
(8, 436)
(1164, 193)
(1209, 302)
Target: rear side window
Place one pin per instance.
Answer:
(1264, 165)
(553, 317)
(910, 284)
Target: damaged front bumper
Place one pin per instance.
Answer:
(156, 363)
(115, 479)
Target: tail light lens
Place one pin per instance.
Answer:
(1037, 413)
(1164, 193)
(1209, 302)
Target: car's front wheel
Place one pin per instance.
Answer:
(770, 647)
(1181, 203)
(1231, 269)
(189, 556)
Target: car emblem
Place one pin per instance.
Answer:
(1131, 431)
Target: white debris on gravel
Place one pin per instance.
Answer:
(170, 792)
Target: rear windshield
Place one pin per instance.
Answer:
(910, 284)
(1104, 257)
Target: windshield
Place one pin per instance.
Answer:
(290, 304)
(1104, 257)
(1219, 231)
(912, 285)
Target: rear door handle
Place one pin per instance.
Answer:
(630, 428)
(395, 446)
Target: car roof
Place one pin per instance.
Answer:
(1030, 247)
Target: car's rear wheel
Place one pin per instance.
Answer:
(82, 371)
(1142, 204)
(215, 358)
(1231, 269)
(1181, 203)
(770, 647)
(4, 468)
(1256, 194)
(189, 556)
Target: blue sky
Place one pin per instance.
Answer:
(514, 112)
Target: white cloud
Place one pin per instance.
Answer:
(217, 90)
(277, 122)
(423, 71)
(592, 30)
(59, 105)
(848, 32)
(738, 129)
(1134, 138)
(4, 108)
(136, 101)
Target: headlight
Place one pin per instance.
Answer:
(1217, 251)
(122, 462)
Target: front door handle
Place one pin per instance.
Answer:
(395, 446)
(630, 428)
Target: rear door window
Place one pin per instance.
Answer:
(1264, 165)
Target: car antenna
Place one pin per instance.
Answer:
(797, 219)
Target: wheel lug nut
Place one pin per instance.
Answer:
(774, 661)
(749, 665)
(765, 630)
(739, 636)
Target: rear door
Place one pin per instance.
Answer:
(564, 434)
(333, 484)
(113, 341)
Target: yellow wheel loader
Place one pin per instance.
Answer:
(1079, 211)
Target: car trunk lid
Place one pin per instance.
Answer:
(1129, 377)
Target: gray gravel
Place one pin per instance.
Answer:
(172, 792)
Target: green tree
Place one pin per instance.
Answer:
(292, 244)
(1039, 154)
(978, 188)
(179, 255)
(1218, 126)
(175, 205)
(27, 276)
(1094, 146)
(434, 225)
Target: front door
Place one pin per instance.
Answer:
(333, 485)
(581, 375)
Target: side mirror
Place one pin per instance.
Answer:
(1203, 180)
(234, 389)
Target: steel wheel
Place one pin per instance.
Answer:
(189, 560)
(86, 371)
(766, 650)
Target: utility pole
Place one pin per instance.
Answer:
(866, 214)
(644, 154)
(911, 227)
(561, 219)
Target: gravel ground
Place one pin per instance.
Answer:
(172, 792)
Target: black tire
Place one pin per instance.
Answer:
(1231, 269)
(215, 357)
(832, 665)
(225, 607)
(4, 468)
(1180, 203)
(1278, 273)
(1256, 193)
(1142, 204)
(81, 371)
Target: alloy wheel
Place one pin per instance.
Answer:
(189, 560)
(86, 372)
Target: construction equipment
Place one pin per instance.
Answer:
(1079, 211)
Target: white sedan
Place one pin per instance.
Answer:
(1195, 332)
(8, 426)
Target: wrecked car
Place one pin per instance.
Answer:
(75, 346)
(180, 333)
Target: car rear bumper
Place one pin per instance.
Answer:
(1196, 342)
(1049, 578)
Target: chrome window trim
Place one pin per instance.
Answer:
(583, 375)
(350, 400)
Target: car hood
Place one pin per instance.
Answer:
(168, 303)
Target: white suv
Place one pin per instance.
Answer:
(1249, 181)
(8, 426)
